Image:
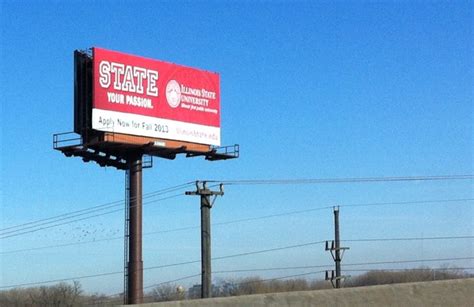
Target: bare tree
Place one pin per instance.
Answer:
(381, 277)
(168, 292)
(62, 294)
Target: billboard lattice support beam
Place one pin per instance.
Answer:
(206, 205)
(135, 263)
(126, 237)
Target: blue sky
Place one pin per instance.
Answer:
(309, 89)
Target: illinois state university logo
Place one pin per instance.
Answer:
(173, 93)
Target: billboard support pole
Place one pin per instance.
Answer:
(206, 205)
(135, 264)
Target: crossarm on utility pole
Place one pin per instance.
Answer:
(336, 254)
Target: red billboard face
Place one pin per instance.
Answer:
(145, 97)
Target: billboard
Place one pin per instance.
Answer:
(145, 97)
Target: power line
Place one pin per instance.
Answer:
(95, 241)
(372, 270)
(21, 232)
(290, 276)
(308, 273)
(60, 245)
(94, 208)
(231, 256)
(360, 270)
(331, 265)
(264, 181)
(412, 269)
(236, 255)
(420, 202)
(409, 239)
(168, 265)
(273, 269)
(61, 280)
(170, 281)
(251, 219)
(277, 278)
(407, 261)
(101, 300)
(341, 180)
(81, 219)
(239, 283)
(82, 212)
(62, 216)
(269, 250)
(179, 229)
(155, 232)
(303, 274)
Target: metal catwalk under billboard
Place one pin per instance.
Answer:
(146, 97)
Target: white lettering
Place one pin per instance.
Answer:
(140, 74)
(139, 102)
(115, 98)
(128, 84)
(190, 91)
(104, 71)
(117, 69)
(206, 94)
(152, 89)
(128, 78)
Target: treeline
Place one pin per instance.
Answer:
(71, 295)
(62, 294)
(382, 277)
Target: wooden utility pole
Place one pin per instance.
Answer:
(335, 249)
